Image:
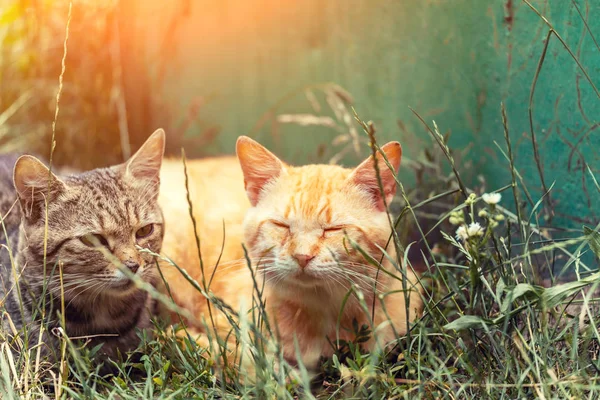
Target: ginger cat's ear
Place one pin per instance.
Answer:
(34, 183)
(259, 166)
(145, 164)
(365, 177)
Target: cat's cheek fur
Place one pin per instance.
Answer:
(252, 231)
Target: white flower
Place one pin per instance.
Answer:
(474, 230)
(461, 233)
(491, 198)
(465, 232)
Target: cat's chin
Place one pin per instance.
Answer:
(304, 279)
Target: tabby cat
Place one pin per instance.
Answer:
(93, 222)
(301, 227)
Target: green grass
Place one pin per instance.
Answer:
(490, 329)
(501, 319)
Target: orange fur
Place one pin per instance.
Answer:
(298, 224)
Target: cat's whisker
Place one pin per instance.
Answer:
(73, 286)
(94, 285)
(350, 272)
(254, 263)
(340, 283)
(371, 283)
(75, 283)
(274, 277)
(355, 265)
(96, 291)
(271, 269)
(359, 280)
(329, 287)
(230, 262)
(67, 276)
(231, 266)
(341, 277)
(99, 291)
(366, 284)
(360, 277)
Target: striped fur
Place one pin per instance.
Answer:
(101, 304)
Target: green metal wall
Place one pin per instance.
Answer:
(454, 61)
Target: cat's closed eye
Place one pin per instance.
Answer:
(93, 240)
(333, 230)
(144, 231)
(280, 224)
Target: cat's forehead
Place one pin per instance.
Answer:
(99, 184)
(319, 177)
(313, 192)
(107, 199)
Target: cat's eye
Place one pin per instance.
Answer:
(93, 240)
(280, 224)
(144, 231)
(333, 229)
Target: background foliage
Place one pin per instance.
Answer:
(290, 75)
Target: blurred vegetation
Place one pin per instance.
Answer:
(92, 120)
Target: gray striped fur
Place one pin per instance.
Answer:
(100, 303)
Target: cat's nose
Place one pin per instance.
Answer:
(132, 265)
(303, 259)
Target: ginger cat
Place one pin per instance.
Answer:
(297, 224)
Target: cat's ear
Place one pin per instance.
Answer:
(365, 176)
(34, 183)
(259, 166)
(145, 164)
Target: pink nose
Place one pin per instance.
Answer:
(303, 259)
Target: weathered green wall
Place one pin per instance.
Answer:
(454, 61)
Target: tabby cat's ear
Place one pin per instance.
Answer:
(365, 176)
(145, 164)
(259, 166)
(34, 182)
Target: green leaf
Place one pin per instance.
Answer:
(119, 381)
(165, 367)
(522, 289)
(556, 294)
(466, 322)
(158, 381)
(500, 289)
(593, 238)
